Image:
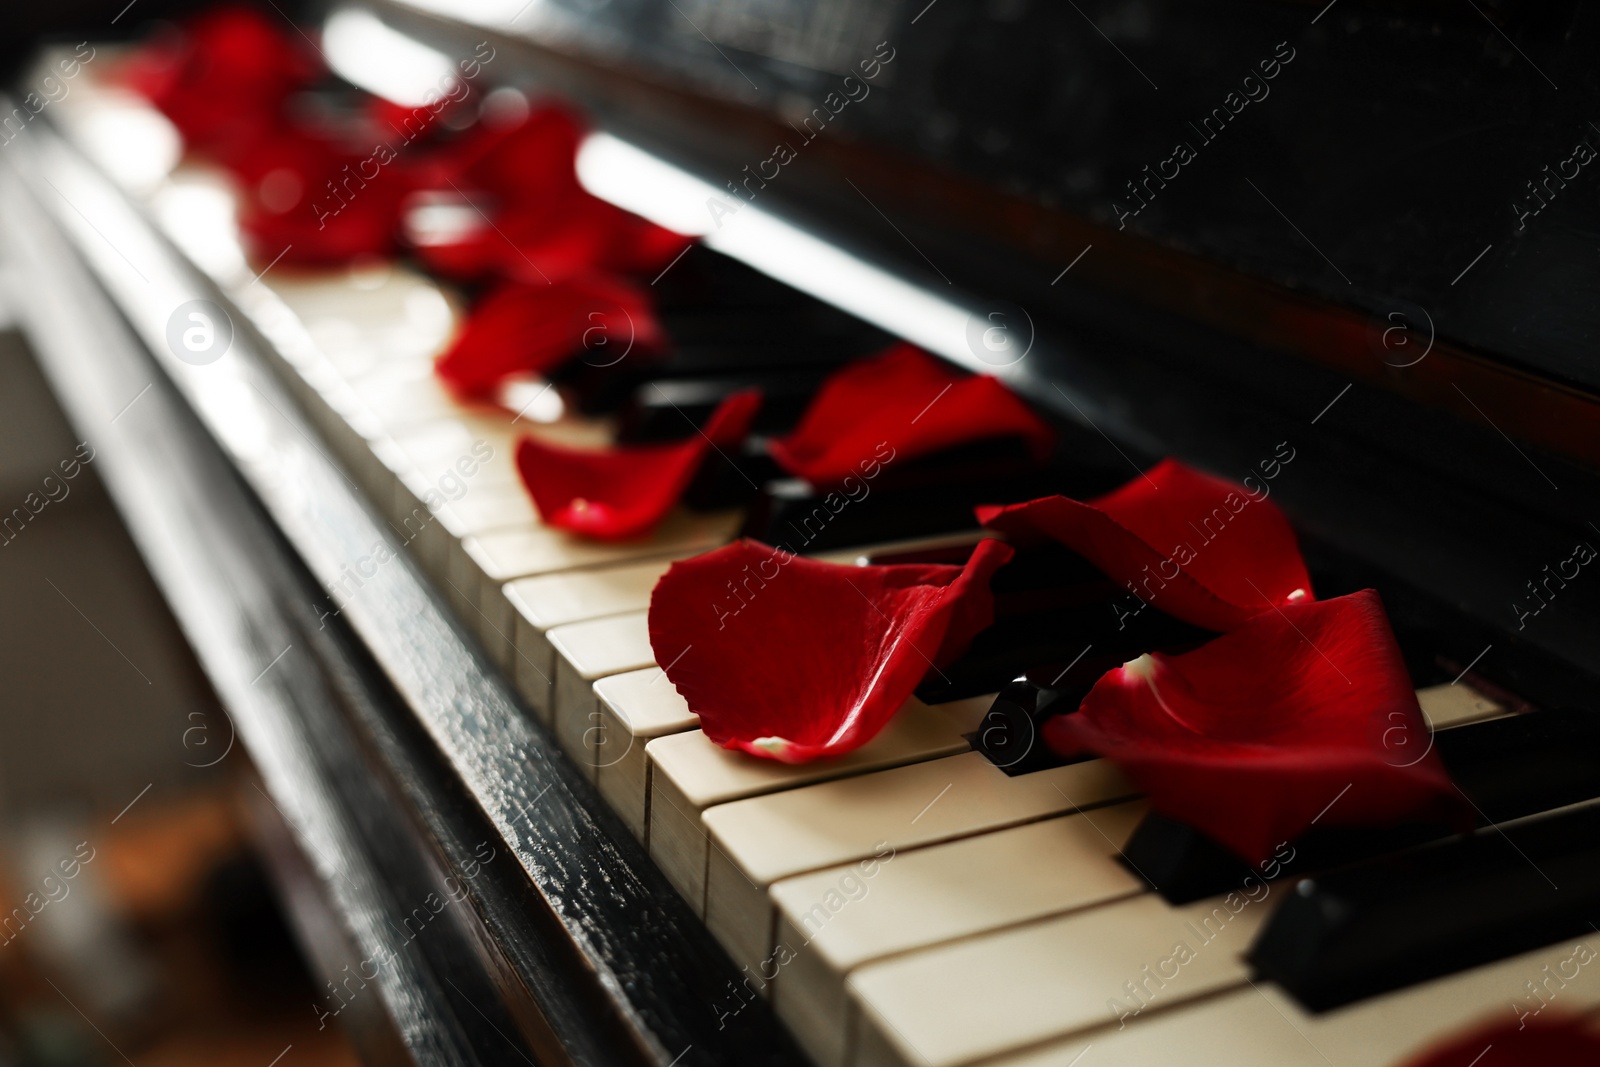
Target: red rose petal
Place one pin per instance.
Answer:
(306, 195)
(534, 153)
(224, 76)
(794, 659)
(1259, 732)
(551, 241)
(916, 403)
(1562, 1042)
(307, 201)
(538, 224)
(400, 126)
(519, 329)
(1197, 547)
(624, 492)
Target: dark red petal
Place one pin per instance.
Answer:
(520, 329)
(401, 124)
(1202, 549)
(549, 241)
(1259, 732)
(533, 156)
(224, 75)
(624, 492)
(794, 659)
(912, 402)
(289, 209)
(532, 220)
(1559, 1042)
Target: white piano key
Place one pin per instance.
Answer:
(489, 509)
(1261, 1026)
(370, 318)
(353, 433)
(759, 841)
(477, 510)
(441, 462)
(689, 775)
(413, 396)
(488, 561)
(585, 652)
(541, 603)
(634, 709)
(835, 920)
(339, 417)
(365, 334)
(1001, 992)
(1456, 705)
(450, 452)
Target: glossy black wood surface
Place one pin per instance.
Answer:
(1392, 144)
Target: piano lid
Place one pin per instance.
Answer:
(1362, 185)
(1438, 415)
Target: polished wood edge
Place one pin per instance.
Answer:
(324, 941)
(191, 521)
(639, 977)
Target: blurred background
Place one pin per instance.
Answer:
(136, 922)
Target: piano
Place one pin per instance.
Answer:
(496, 827)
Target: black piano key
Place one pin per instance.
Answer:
(1009, 731)
(1048, 569)
(1052, 607)
(1185, 865)
(787, 344)
(663, 409)
(906, 497)
(1435, 910)
(1508, 768)
(720, 319)
(731, 477)
(725, 322)
(1056, 635)
(600, 382)
(1523, 764)
(954, 555)
(786, 353)
(702, 276)
(792, 512)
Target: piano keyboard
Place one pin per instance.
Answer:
(1256, 1025)
(907, 904)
